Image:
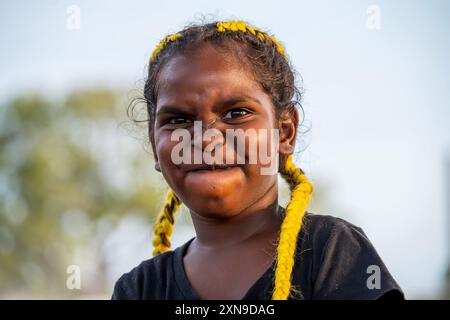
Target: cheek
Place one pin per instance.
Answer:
(264, 172)
(163, 149)
(265, 143)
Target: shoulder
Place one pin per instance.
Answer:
(343, 261)
(321, 229)
(322, 235)
(148, 275)
(327, 223)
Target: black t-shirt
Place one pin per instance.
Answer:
(334, 260)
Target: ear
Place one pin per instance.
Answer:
(157, 166)
(287, 125)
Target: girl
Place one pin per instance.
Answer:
(229, 76)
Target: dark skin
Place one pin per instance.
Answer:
(235, 212)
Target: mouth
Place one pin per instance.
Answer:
(212, 168)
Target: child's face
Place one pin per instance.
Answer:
(197, 87)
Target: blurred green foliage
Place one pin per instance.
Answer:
(55, 194)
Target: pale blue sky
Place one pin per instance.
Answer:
(378, 101)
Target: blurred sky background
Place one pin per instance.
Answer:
(377, 102)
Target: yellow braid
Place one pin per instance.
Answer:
(164, 224)
(234, 25)
(237, 25)
(301, 190)
(163, 43)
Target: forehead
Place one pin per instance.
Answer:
(206, 73)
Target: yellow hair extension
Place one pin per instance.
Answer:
(234, 25)
(164, 224)
(237, 25)
(301, 190)
(163, 43)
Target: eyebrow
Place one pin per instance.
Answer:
(237, 99)
(169, 109)
(226, 103)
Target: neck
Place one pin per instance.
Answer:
(260, 218)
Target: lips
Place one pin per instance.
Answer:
(212, 167)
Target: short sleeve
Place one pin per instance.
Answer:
(152, 279)
(119, 292)
(350, 268)
(124, 289)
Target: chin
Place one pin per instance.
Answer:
(209, 206)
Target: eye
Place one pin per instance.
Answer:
(178, 120)
(236, 113)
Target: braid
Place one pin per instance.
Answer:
(242, 26)
(164, 224)
(163, 43)
(301, 190)
(235, 25)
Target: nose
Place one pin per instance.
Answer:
(207, 134)
(209, 123)
(213, 138)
